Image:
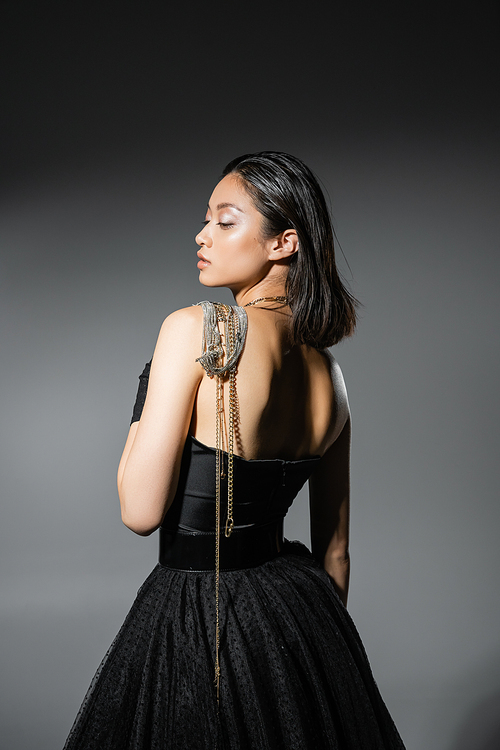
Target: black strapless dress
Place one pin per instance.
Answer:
(294, 673)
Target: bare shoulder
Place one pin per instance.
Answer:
(183, 321)
(339, 394)
(337, 377)
(179, 340)
(182, 327)
(327, 361)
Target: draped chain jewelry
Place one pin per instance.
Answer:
(212, 359)
(223, 364)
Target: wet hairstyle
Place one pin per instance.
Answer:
(288, 196)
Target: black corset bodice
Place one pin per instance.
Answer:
(263, 489)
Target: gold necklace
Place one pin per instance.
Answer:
(279, 298)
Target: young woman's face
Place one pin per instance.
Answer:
(232, 252)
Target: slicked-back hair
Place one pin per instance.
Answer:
(288, 195)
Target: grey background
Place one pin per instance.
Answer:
(117, 123)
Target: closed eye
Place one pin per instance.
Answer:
(224, 225)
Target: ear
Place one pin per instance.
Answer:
(284, 245)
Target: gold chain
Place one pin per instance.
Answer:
(217, 569)
(219, 469)
(232, 404)
(226, 315)
(284, 300)
(220, 360)
(230, 447)
(219, 407)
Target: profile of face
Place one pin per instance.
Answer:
(232, 250)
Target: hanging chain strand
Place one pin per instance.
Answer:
(219, 473)
(229, 520)
(221, 364)
(219, 407)
(230, 339)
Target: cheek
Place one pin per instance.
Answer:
(244, 247)
(246, 260)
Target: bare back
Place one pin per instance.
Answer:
(292, 400)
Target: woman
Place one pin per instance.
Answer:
(238, 638)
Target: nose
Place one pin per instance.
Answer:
(203, 238)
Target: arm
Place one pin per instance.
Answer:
(329, 509)
(149, 467)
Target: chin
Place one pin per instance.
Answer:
(208, 282)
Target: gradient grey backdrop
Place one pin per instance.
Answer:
(119, 121)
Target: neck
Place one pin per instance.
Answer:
(244, 296)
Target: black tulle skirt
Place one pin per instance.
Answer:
(294, 673)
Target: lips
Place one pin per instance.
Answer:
(203, 262)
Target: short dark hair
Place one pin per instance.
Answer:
(288, 195)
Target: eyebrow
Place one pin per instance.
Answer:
(227, 205)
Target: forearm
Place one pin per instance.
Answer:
(338, 567)
(329, 509)
(147, 479)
